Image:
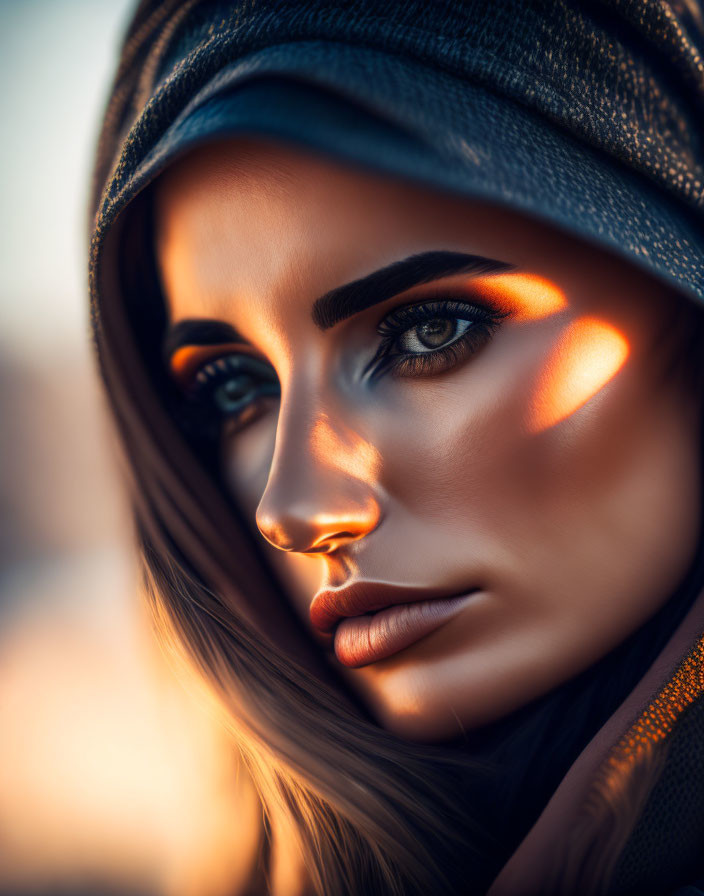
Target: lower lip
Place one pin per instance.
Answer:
(360, 640)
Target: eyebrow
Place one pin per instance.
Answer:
(383, 284)
(197, 331)
(346, 300)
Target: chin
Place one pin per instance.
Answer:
(411, 702)
(429, 698)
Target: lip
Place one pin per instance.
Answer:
(374, 620)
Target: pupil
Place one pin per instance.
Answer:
(231, 393)
(234, 389)
(435, 332)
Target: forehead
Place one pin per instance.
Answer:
(254, 228)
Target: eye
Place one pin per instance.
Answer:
(235, 388)
(431, 337)
(433, 334)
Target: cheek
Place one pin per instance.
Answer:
(581, 532)
(607, 494)
(449, 443)
(589, 354)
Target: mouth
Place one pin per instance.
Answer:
(372, 620)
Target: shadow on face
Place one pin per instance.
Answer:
(453, 426)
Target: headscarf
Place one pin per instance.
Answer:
(586, 114)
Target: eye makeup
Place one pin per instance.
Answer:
(221, 376)
(235, 387)
(420, 339)
(428, 338)
(197, 332)
(398, 277)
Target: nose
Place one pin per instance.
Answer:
(321, 493)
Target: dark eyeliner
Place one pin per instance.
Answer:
(396, 323)
(229, 387)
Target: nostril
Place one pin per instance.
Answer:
(303, 527)
(330, 542)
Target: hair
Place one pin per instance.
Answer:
(368, 812)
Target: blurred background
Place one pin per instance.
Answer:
(114, 777)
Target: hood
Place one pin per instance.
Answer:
(471, 97)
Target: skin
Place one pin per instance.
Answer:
(555, 469)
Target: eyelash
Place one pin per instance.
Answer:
(207, 399)
(482, 322)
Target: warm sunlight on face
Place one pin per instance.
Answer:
(588, 354)
(531, 297)
(345, 451)
(453, 429)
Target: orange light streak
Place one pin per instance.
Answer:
(589, 354)
(530, 297)
(188, 358)
(346, 451)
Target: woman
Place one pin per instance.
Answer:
(398, 309)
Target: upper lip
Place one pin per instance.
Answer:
(332, 604)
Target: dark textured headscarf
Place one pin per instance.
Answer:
(588, 115)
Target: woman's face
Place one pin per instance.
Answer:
(455, 429)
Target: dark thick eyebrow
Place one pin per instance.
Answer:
(197, 332)
(344, 301)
